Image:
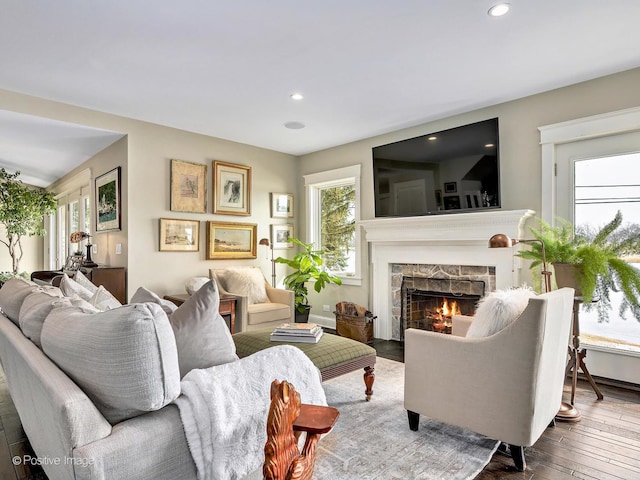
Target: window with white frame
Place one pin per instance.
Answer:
(73, 214)
(333, 208)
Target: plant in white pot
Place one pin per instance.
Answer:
(594, 263)
(307, 266)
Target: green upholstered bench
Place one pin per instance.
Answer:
(333, 355)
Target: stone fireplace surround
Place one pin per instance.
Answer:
(449, 239)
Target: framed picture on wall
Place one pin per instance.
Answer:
(227, 240)
(108, 203)
(188, 187)
(280, 234)
(231, 189)
(179, 235)
(450, 187)
(281, 205)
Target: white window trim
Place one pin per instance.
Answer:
(313, 182)
(621, 121)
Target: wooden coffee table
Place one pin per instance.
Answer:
(333, 355)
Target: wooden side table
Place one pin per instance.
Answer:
(227, 306)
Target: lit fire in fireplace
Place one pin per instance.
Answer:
(442, 316)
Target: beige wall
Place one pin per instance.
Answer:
(149, 149)
(520, 153)
(111, 157)
(144, 156)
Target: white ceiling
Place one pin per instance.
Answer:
(365, 67)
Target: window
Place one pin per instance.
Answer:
(333, 199)
(73, 214)
(602, 186)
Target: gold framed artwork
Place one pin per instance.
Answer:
(108, 201)
(188, 187)
(179, 235)
(280, 234)
(231, 240)
(281, 205)
(231, 189)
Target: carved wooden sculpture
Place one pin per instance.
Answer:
(286, 421)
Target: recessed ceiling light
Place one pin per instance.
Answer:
(432, 138)
(489, 145)
(296, 96)
(294, 125)
(499, 10)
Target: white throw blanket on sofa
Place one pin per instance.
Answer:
(224, 408)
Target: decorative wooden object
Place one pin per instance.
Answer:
(286, 421)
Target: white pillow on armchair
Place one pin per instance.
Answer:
(499, 309)
(248, 282)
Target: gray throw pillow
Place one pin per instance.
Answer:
(143, 295)
(124, 359)
(202, 336)
(12, 294)
(34, 310)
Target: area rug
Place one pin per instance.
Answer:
(372, 440)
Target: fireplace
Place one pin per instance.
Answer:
(432, 309)
(456, 244)
(431, 294)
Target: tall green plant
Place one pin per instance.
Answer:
(306, 265)
(22, 210)
(600, 255)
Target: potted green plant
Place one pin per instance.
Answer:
(593, 261)
(307, 266)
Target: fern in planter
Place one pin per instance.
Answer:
(599, 255)
(307, 266)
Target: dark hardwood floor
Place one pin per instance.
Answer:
(604, 445)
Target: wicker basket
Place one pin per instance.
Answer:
(357, 327)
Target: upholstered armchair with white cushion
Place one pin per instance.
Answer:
(259, 304)
(506, 386)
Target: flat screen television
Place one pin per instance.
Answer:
(451, 171)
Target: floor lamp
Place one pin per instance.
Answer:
(567, 411)
(266, 243)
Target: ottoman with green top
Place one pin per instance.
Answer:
(333, 355)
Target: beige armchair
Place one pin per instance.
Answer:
(507, 386)
(249, 315)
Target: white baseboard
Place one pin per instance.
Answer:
(329, 322)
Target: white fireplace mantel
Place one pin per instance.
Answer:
(456, 239)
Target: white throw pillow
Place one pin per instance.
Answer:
(124, 359)
(12, 294)
(70, 288)
(103, 300)
(247, 282)
(499, 309)
(85, 282)
(143, 295)
(202, 336)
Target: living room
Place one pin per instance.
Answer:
(143, 150)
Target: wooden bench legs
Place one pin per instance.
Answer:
(369, 378)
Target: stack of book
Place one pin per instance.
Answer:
(297, 332)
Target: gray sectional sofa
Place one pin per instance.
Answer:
(70, 435)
